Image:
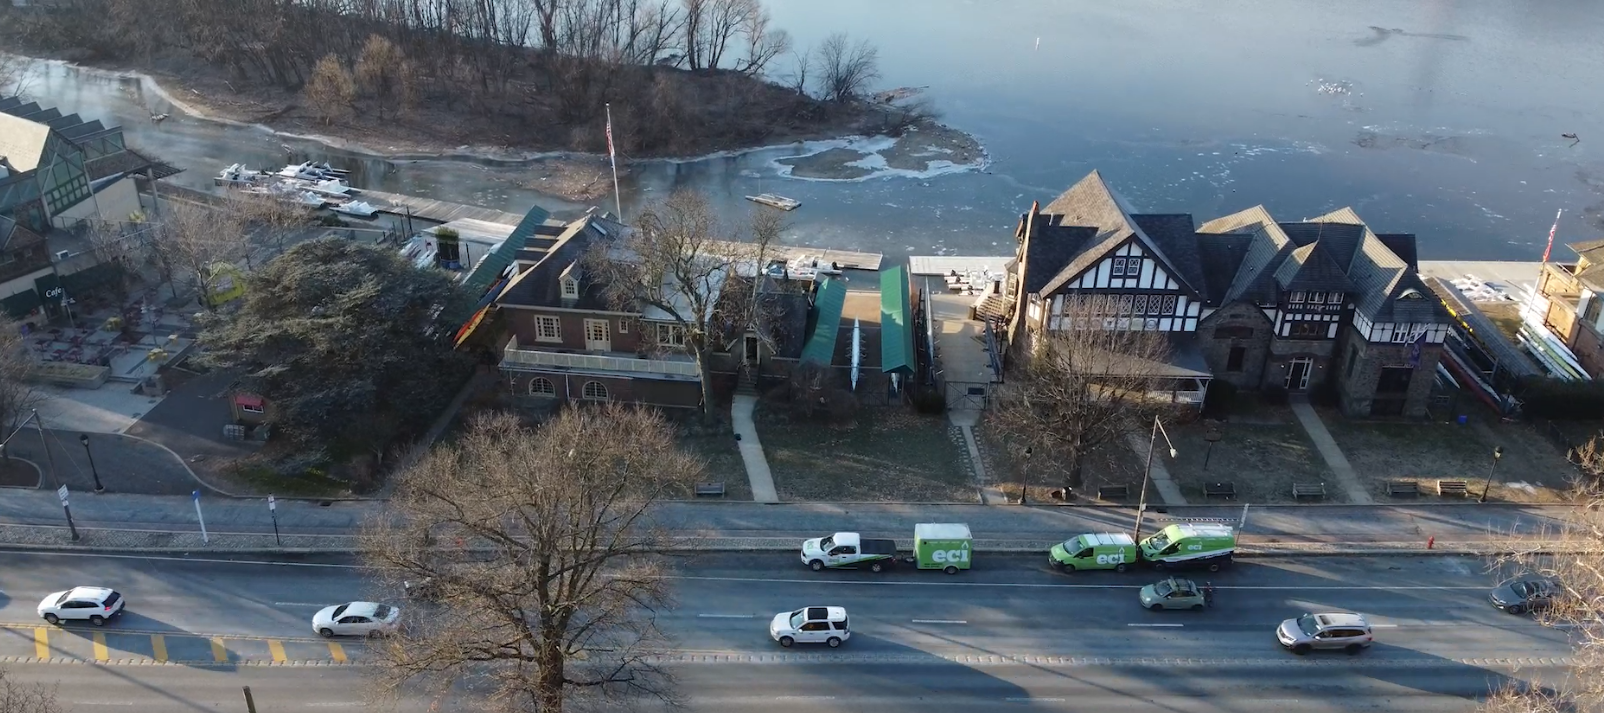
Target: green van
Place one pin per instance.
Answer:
(1205, 545)
(1102, 550)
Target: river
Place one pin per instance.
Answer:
(1437, 117)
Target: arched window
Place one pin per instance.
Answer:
(595, 391)
(541, 386)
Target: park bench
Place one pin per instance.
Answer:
(1310, 491)
(710, 490)
(1114, 492)
(1224, 489)
(1452, 487)
(1400, 488)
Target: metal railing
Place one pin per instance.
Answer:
(514, 356)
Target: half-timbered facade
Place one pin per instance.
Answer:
(1299, 306)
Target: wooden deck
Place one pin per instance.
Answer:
(846, 259)
(433, 210)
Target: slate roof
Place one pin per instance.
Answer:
(1091, 203)
(16, 236)
(1252, 280)
(1311, 269)
(22, 142)
(1051, 248)
(1219, 257)
(539, 286)
(1176, 236)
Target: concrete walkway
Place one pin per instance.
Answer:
(1330, 453)
(1168, 491)
(966, 420)
(757, 465)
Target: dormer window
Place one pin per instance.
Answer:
(1335, 298)
(1296, 298)
(570, 288)
(1317, 298)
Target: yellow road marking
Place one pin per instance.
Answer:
(219, 651)
(101, 654)
(337, 651)
(41, 642)
(277, 648)
(158, 646)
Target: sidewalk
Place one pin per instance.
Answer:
(1266, 525)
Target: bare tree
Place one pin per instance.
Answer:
(845, 69)
(264, 220)
(801, 62)
(192, 238)
(763, 43)
(12, 70)
(384, 72)
(27, 698)
(330, 90)
(17, 394)
(1083, 387)
(122, 246)
(557, 608)
(683, 269)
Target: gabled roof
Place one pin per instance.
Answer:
(538, 284)
(22, 142)
(1310, 269)
(1379, 275)
(896, 333)
(16, 236)
(1176, 237)
(1093, 204)
(1220, 256)
(1051, 248)
(1252, 280)
(829, 299)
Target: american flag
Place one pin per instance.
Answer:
(1551, 232)
(610, 152)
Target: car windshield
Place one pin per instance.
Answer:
(381, 612)
(63, 596)
(798, 618)
(1523, 589)
(1072, 546)
(1158, 542)
(1308, 625)
(338, 611)
(825, 543)
(1163, 588)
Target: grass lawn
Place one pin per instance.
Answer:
(1532, 468)
(723, 458)
(262, 480)
(18, 473)
(1261, 460)
(885, 455)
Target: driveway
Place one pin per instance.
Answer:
(190, 420)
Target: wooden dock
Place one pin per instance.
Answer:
(432, 210)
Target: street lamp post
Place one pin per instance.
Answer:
(84, 439)
(1147, 473)
(1498, 454)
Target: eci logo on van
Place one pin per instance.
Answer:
(950, 555)
(1111, 559)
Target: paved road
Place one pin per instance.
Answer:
(1010, 633)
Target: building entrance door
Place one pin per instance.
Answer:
(1298, 373)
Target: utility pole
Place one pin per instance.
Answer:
(1498, 454)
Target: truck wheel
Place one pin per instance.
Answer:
(834, 642)
(1121, 567)
(786, 641)
(950, 569)
(1214, 566)
(816, 565)
(1158, 565)
(1067, 567)
(876, 567)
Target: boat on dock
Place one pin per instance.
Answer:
(237, 175)
(359, 209)
(313, 172)
(775, 201)
(331, 187)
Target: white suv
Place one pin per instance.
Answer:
(811, 625)
(1349, 632)
(96, 604)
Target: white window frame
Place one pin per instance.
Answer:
(1336, 298)
(1124, 305)
(1400, 333)
(1119, 267)
(570, 288)
(548, 328)
(1317, 298)
(247, 408)
(1141, 305)
(669, 335)
(1169, 304)
(599, 393)
(600, 326)
(550, 390)
(1295, 298)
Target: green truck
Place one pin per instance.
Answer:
(1204, 545)
(942, 546)
(1100, 550)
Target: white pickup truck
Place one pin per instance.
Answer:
(847, 549)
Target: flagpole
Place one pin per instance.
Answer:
(612, 154)
(1551, 232)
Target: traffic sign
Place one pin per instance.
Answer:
(61, 492)
(270, 504)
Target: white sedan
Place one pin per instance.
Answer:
(94, 604)
(356, 619)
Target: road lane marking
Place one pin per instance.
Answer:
(1040, 585)
(298, 604)
(1173, 626)
(1383, 626)
(725, 616)
(939, 621)
(206, 560)
(41, 642)
(337, 651)
(101, 654)
(276, 647)
(169, 632)
(219, 651)
(158, 646)
(1032, 699)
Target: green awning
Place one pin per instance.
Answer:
(896, 335)
(21, 304)
(828, 301)
(487, 272)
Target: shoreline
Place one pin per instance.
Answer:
(573, 167)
